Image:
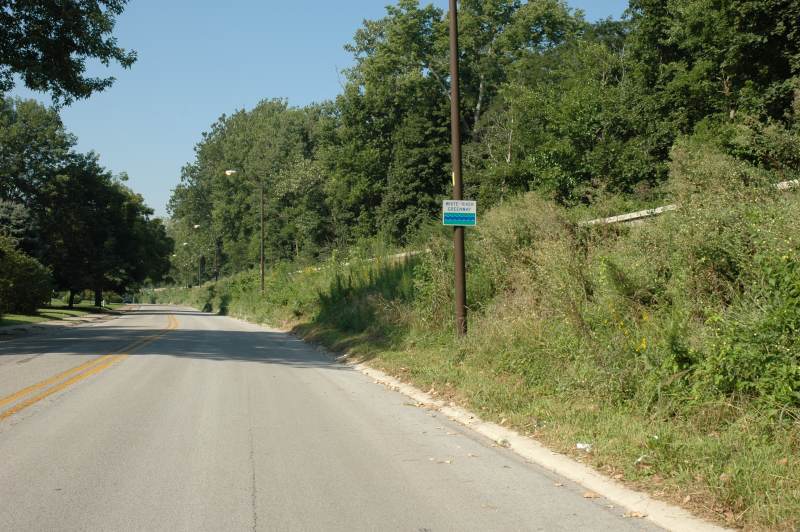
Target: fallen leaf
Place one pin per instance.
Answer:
(591, 495)
(471, 455)
(558, 485)
(636, 515)
(687, 499)
(619, 476)
(783, 461)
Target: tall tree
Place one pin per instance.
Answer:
(707, 57)
(33, 146)
(97, 233)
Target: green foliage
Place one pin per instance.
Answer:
(706, 57)
(373, 162)
(33, 146)
(98, 233)
(25, 284)
(48, 43)
(68, 212)
(16, 222)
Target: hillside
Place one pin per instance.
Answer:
(670, 346)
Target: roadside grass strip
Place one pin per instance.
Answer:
(26, 397)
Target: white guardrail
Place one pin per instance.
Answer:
(630, 217)
(649, 213)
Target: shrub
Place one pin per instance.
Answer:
(25, 284)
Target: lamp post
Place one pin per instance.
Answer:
(261, 246)
(199, 264)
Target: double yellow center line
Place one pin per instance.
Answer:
(26, 397)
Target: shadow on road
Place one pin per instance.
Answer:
(247, 346)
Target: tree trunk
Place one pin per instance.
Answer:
(510, 141)
(71, 298)
(217, 253)
(98, 297)
(478, 106)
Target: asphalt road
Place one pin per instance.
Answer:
(213, 424)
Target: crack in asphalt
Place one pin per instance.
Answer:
(253, 485)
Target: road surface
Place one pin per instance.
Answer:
(170, 419)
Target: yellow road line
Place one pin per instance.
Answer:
(67, 383)
(39, 385)
(83, 371)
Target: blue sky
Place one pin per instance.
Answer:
(199, 59)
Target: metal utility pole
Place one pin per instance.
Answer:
(262, 237)
(458, 187)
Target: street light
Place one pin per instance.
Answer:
(261, 262)
(199, 264)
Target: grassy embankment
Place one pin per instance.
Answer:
(672, 346)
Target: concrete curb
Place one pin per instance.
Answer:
(660, 513)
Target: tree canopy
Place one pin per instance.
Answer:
(47, 44)
(574, 110)
(64, 209)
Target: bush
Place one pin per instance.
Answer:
(112, 297)
(25, 284)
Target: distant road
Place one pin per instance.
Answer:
(169, 419)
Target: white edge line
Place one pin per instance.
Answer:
(662, 514)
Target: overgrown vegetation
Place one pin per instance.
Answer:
(671, 346)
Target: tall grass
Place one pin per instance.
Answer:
(671, 346)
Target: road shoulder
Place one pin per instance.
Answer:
(638, 505)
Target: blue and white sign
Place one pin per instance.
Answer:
(460, 213)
